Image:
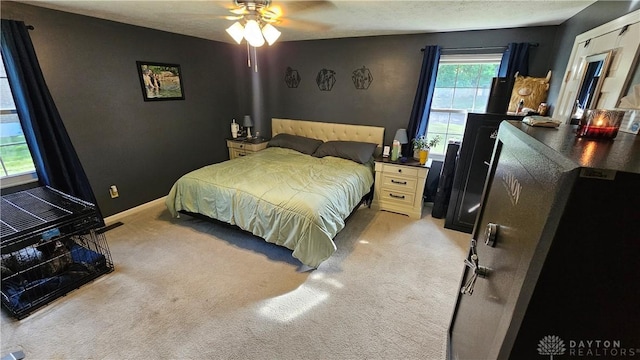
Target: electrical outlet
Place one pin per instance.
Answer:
(113, 191)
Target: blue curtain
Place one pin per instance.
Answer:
(515, 59)
(55, 159)
(424, 95)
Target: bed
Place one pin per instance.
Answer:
(293, 193)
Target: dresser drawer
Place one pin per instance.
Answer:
(397, 197)
(400, 183)
(400, 170)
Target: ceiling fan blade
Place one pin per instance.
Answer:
(239, 11)
(290, 7)
(302, 25)
(281, 13)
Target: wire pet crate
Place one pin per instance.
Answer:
(51, 243)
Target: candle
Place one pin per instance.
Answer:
(600, 124)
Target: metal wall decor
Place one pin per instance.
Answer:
(292, 78)
(362, 78)
(326, 79)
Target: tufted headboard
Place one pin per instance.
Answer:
(329, 131)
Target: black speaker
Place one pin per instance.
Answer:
(443, 194)
(500, 95)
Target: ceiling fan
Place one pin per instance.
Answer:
(249, 7)
(260, 16)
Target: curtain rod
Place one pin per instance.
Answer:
(481, 48)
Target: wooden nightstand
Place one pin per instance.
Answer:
(399, 187)
(242, 147)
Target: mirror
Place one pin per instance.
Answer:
(616, 43)
(593, 75)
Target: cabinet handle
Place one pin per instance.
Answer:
(242, 154)
(396, 196)
(399, 182)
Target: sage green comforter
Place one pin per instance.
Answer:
(286, 197)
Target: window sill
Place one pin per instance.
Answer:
(436, 157)
(17, 180)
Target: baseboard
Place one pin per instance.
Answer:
(116, 217)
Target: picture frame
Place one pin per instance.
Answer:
(160, 81)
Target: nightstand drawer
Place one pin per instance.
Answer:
(234, 153)
(235, 145)
(243, 146)
(397, 197)
(393, 182)
(400, 170)
(239, 148)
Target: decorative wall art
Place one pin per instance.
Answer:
(326, 79)
(292, 78)
(362, 78)
(530, 89)
(160, 81)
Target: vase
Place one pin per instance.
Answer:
(424, 155)
(416, 154)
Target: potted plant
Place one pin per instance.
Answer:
(422, 144)
(418, 144)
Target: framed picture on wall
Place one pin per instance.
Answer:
(160, 81)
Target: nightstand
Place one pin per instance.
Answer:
(399, 187)
(241, 147)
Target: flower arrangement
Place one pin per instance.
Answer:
(423, 143)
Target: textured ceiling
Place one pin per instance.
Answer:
(306, 20)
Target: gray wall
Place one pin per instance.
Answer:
(142, 147)
(394, 62)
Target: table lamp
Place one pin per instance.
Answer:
(403, 139)
(248, 124)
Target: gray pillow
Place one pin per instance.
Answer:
(360, 152)
(302, 144)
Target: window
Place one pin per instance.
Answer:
(463, 85)
(16, 165)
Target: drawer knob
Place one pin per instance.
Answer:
(396, 196)
(241, 146)
(399, 170)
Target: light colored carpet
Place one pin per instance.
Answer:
(191, 289)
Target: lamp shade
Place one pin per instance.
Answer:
(271, 34)
(236, 31)
(247, 122)
(401, 136)
(253, 34)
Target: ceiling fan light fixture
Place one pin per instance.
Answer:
(271, 34)
(253, 34)
(236, 31)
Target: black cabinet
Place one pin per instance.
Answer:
(556, 252)
(471, 169)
